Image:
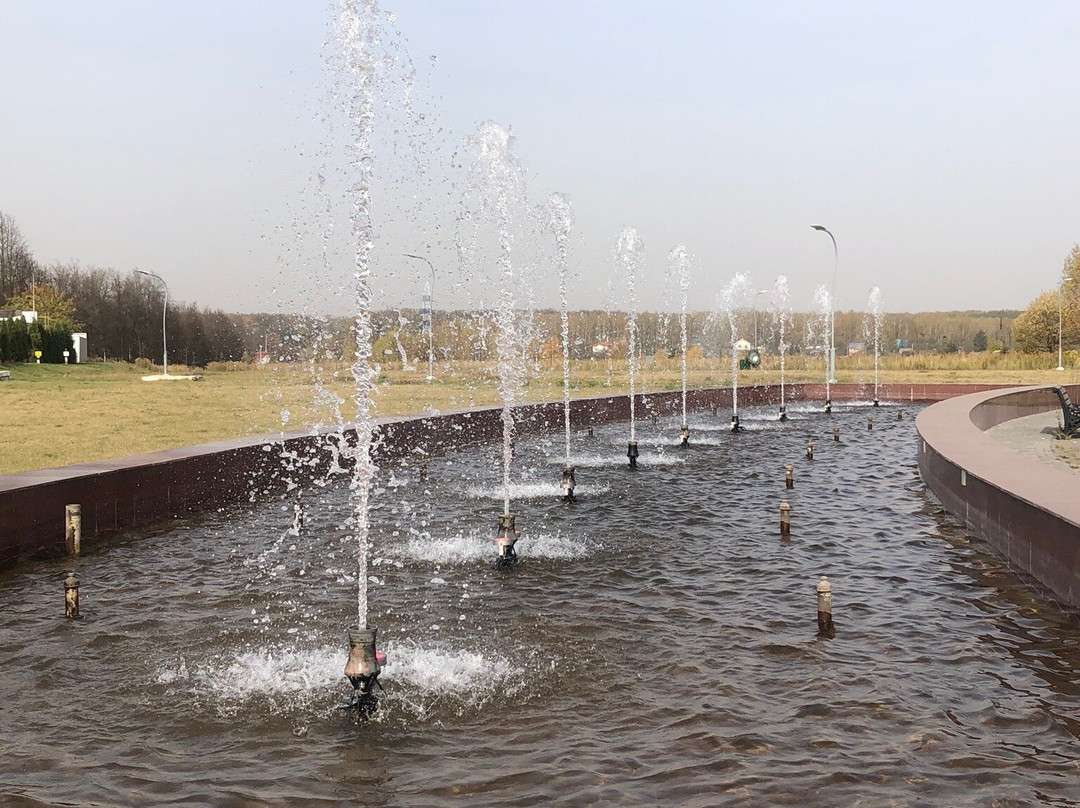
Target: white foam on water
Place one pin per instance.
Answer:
(435, 671)
(465, 548)
(616, 459)
(545, 490)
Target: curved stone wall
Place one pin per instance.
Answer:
(1028, 510)
(144, 489)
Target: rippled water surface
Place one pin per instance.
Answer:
(656, 645)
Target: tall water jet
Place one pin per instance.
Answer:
(359, 35)
(679, 266)
(734, 295)
(874, 304)
(629, 250)
(496, 177)
(780, 303)
(819, 326)
(560, 221)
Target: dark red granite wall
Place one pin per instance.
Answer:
(1025, 508)
(135, 491)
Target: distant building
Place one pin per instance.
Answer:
(14, 314)
(79, 342)
(903, 347)
(601, 349)
(743, 345)
(855, 348)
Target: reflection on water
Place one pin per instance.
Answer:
(655, 646)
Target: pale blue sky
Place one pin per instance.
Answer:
(937, 140)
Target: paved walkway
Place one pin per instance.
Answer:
(1033, 435)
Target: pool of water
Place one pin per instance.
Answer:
(655, 646)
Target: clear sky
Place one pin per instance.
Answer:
(937, 140)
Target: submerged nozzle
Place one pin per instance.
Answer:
(363, 666)
(505, 537)
(684, 435)
(783, 413)
(735, 424)
(828, 406)
(632, 453)
(876, 401)
(568, 483)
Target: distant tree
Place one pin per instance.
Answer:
(980, 341)
(53, 307)
(1036, 329)
(16, 261)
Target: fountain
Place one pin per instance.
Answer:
(497, 181)
(359, 31)
(560, 221)
(629, 250)
(780, 305)
(818, 326)
(874, 304)
(734, 295)
(679, 266)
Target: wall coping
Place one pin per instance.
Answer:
(951, 428)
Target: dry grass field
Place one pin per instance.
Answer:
(55, 415)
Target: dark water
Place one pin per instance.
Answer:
(656, 646)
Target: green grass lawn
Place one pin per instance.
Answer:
(55, 415)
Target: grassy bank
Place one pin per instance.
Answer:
(55, 415)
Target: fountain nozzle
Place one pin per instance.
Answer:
(735, 424)
(505, 538)
(568, 483)
(828, 406)
(875, 401)
(684, 434)
(632, 453)
(783, 413)
(363, 666)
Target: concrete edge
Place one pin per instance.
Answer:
(1027, 510)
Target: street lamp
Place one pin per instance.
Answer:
(832, 313)
(164, 309)
(430, 317)
(1061, 286)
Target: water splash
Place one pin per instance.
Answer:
(733, 296)
(818, 328)
(629, 250)
(679, 264)
(560, 221)
(874, 304)
(780, 308)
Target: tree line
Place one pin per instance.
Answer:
(122, 313)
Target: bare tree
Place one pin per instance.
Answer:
(16, 260)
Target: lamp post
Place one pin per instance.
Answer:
(1061, 287)
(430, 316)
(164, 309)
(832, 313)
